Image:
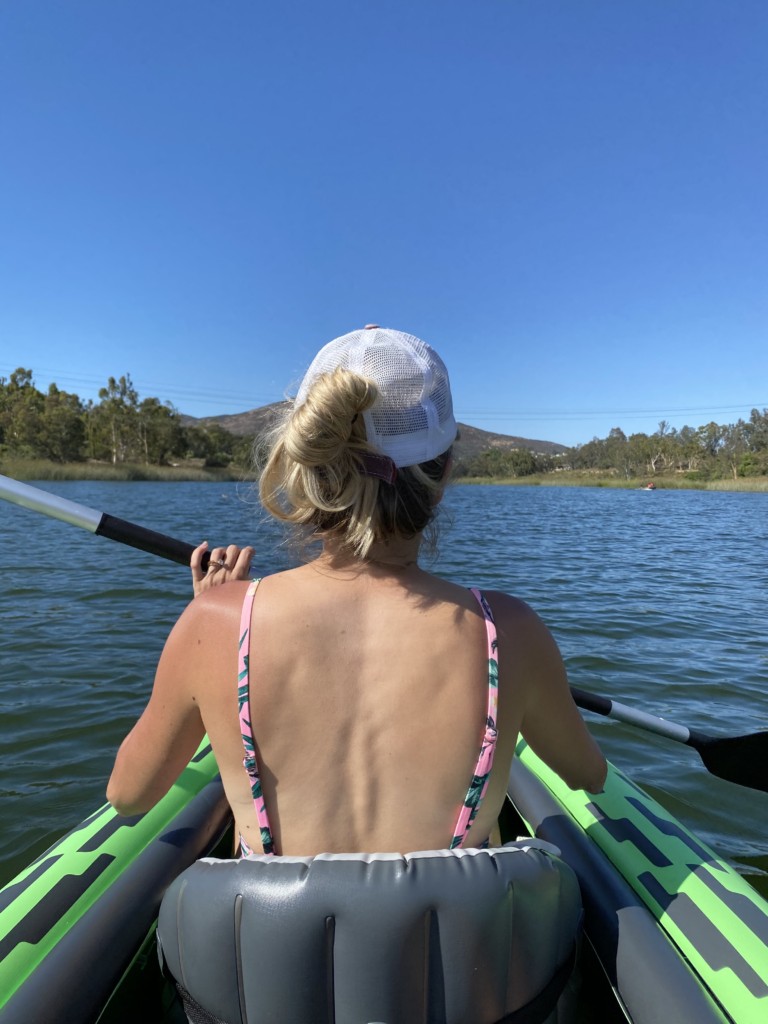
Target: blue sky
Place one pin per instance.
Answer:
(567, 198)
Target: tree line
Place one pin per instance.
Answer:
(119, 428)
(122, 428)
(504, 462)
(710, 452)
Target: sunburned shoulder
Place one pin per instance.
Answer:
(210, 613)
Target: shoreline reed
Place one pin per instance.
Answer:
(41, 469)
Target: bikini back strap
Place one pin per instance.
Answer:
(479, 783)
(250, 762)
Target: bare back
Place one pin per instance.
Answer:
(368, 697)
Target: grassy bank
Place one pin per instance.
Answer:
(568, 478)
(40, 469)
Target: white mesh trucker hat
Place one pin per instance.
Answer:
(412, 420)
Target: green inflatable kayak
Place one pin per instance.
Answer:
(672, 931)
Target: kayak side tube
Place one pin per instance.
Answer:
(648, 977)
(716, 921)
(71, 923)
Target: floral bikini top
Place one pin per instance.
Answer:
(477, 786)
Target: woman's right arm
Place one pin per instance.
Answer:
(551, 723)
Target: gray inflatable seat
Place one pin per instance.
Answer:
(435, 937)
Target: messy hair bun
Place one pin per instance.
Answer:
(314, 474)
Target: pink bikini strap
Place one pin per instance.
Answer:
(479, 784)
(250, 762)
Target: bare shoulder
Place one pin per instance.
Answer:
(504, 604)
(210, 620)
(516, 618)
(528, 653)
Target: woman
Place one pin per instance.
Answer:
(379, 704)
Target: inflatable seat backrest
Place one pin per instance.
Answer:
(435, 937)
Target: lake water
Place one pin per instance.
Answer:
(656, 598)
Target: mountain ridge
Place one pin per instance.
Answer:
(472, 440)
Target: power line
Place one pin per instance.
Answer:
(242, 400)
(196, 395)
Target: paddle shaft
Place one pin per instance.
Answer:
(101, 523)
(739, 759)
(632, 716)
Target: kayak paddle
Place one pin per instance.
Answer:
(739, 759)
(100, 523)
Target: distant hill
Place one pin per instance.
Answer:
(241, 424)
(472, 440)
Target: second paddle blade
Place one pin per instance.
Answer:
(739, 759)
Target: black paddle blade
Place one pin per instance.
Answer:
(739, 759)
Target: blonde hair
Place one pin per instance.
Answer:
(314, 476)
